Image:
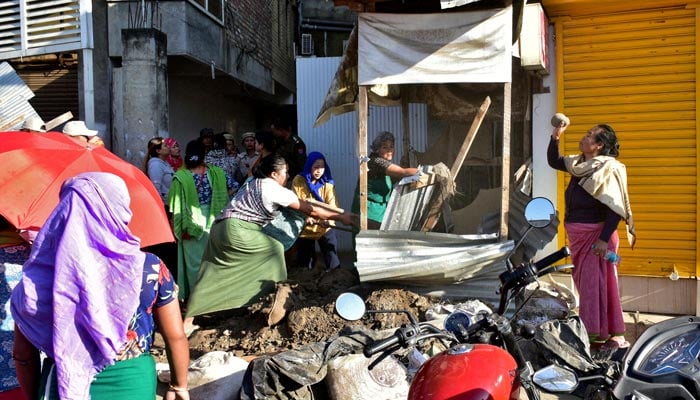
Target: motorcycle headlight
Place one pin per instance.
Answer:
(672, 354)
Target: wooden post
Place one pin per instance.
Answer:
(362, 112)
(505, 170)
(406, 125)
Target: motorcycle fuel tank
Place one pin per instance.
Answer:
(467, 372)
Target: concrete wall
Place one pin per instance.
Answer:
(196, 103)
(144, 82)
(193, 34)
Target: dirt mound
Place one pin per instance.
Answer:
(300, 312)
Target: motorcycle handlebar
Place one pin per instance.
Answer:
(406, 336)
(380, 345)
(552, 258)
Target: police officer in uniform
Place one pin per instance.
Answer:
(290, 146)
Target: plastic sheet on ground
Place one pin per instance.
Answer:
(290, 374)
(564, 341)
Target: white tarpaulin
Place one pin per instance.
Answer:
(470, 46)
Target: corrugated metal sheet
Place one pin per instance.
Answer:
(337, 138)
(426, 258)
(408, 206)
(637, 72)
(14, 99)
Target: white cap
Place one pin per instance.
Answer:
(34, 124)
(78, 128)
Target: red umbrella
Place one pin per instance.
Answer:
(35, 165)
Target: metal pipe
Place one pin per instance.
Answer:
(325, 28)
(316, 21)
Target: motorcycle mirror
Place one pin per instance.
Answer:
(539, 212)
(556, 379)
(350, 306)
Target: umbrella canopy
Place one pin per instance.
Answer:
(35, 165)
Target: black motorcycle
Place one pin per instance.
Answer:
(663, 364)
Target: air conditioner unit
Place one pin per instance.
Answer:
(307, 44)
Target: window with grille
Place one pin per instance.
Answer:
(30, 27)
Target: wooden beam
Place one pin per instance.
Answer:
(469, 139)
(362, 112)
(439, 207)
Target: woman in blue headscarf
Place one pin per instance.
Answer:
(315, 182)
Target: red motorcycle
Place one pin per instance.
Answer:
(483, 360)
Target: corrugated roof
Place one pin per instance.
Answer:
(14, 99)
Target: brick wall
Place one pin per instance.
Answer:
(246, 29)
(264, 30)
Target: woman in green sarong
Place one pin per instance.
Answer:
(241, 263)
(197, 195)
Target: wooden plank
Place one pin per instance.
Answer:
(362, 112)
(469, 139)
(437, 206)
(328, 207)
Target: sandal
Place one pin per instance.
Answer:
(615, 342)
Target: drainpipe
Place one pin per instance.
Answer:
(325, 28)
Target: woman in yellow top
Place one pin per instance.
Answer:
(315, 182)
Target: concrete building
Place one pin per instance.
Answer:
(137, 69)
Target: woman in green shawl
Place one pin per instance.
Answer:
(197, 195)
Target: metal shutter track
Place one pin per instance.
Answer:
(55, 90)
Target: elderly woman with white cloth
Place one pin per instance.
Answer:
(596, 200)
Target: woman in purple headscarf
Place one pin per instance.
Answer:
(315, 182)
(90, 299)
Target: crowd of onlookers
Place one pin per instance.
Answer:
(102, 296)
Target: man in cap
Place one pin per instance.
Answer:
(247, 157)
(33, 124)
(231, 148)
(78, 131)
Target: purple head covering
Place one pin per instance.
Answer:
(325, 178)
(80, 286)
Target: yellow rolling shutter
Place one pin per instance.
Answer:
(637, 72)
